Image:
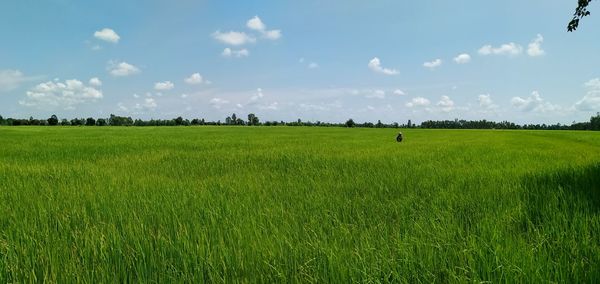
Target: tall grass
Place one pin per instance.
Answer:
(298, 205)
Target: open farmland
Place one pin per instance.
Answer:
(298, 204)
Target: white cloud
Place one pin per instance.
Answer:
(485, 102)
(376, 94)
(218, 103)
(309, 64)
(122, 69)
(257, 100)
(11, 79)
(228, 52)
(122, 107)
(107, 35)
(446, 104)
(61, 95)
(418, 102)
(533, 103)
(272, 34)
(591, 101)
(194, 79)
(535, 47)
(433, 64)
(462, 58)
(314, 107)
(148, 104)
(257, 24)
(164, 86)
(95, 82)
(510, 49)
(259, 95)
(375, 65)
(184, 96)
(593, 84)
(271, 106)
(233, 38)
(399, 92)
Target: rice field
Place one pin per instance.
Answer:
(298, 204)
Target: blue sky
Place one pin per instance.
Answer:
(315, 60)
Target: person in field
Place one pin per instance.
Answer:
(399, 137)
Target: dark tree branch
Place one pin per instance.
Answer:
(580, 12)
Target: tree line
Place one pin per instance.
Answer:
(593, 124)
(253, 120)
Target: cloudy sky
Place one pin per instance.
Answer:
(311, 59)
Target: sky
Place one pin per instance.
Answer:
(316, 60)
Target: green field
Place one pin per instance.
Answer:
(297, 204)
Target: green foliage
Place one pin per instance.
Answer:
(179, 121)
(90, 121)
(253, 119)
(101, 122)
(350, 123)
(276, 204)
(595, 122)
(580, 12)
(78, 122)
(120, 120)
(52, 121)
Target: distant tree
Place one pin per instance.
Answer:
(77, 122)
(113, 120)
(120, 120)
(379, 124)
(195, 121)
(101, 122)
(228, 120)
(64, 122)
(252, 119)
(233, 119)
(409, 125)
(580, 12)
(179, 121)
(17, 122)
(52, 121)
(595, 122)
(350, 123)
(90, 121)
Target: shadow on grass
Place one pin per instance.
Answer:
(569, 191)
(561, 224)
